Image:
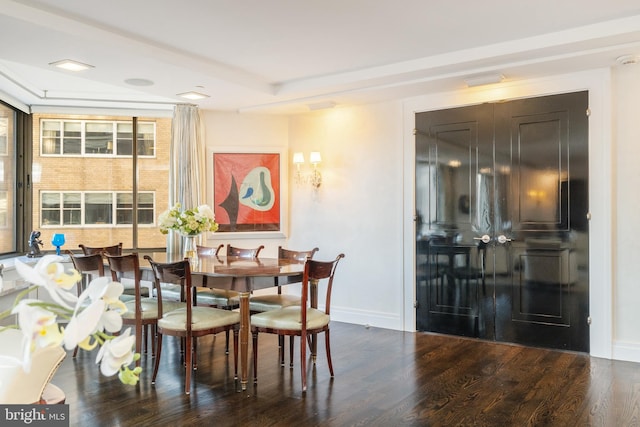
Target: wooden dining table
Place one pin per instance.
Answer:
(243, 275)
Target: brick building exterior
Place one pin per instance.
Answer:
(105, 172)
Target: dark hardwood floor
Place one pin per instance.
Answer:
(383, 378)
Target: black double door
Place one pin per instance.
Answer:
(502, 221)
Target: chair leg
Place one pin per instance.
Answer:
(328, 348)
(291, 339)
(236, 332)
(303, 361)
(226, 345)
(195, 353)
(255, 356)
(281, 349)
(138, 341)
(157, 361)
(188, 368)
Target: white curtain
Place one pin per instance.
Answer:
(187, 164)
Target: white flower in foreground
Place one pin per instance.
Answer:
(116, 353)
(102, 313)
(38, 326)
(49, 273)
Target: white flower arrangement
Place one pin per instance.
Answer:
(190, 222)
(91, 318)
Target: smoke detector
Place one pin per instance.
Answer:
(628, 59)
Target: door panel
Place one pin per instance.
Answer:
(501, 231)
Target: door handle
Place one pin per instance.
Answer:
(485, 238)
(502, 239)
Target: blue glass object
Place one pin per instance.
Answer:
(57, 241)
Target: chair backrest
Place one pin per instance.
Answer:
(316, 271)
(207, 250)
(88, 266)
(291, 255)
(128, 266)
(177, 273)
(111, 250)
(244, 253)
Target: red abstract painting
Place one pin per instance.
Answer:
(246, 191)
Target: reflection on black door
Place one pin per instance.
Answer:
(501, 221)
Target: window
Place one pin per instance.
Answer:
(4, 213)
(93, 137)
(10, 209)
(97, 208)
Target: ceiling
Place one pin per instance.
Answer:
(289, 56)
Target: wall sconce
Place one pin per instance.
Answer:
(315, 177)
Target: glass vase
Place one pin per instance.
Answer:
(191, 251)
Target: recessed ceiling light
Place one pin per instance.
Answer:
(71, 65)
(193, 95)
(139, 82)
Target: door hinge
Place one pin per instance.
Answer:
(415, 304)
(588, 320)
(588, 112)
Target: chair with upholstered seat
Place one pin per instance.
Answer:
(267, 302)
(260, 303)
(300, 320)
(111, 250)
(141, 311)
(192, 321)
(208, 250)
(244, 252)
(89, 267)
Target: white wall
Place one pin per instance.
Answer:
(364, 205)
(358, 208)
(243, 132)
(626, 95)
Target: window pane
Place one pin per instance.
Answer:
(4, 127)
(145, 208)
(4, 203)
(72, 143)
(124, 208)
(146, 139)
(72, 211)
(50, 209)
(51, 137)
(98, 208)
(125, 139)
(99, 138)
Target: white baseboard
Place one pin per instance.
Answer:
(628, 351)
(367, 318)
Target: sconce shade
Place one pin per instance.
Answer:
(298, 158)
(315, 158)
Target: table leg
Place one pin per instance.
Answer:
(245, 326)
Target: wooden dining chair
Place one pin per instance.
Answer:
(208, 250)
(268, 302)
(192, 321)
(142, 312)
(89, 267)
(300, 320)
(244, 252)
(111, 250)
